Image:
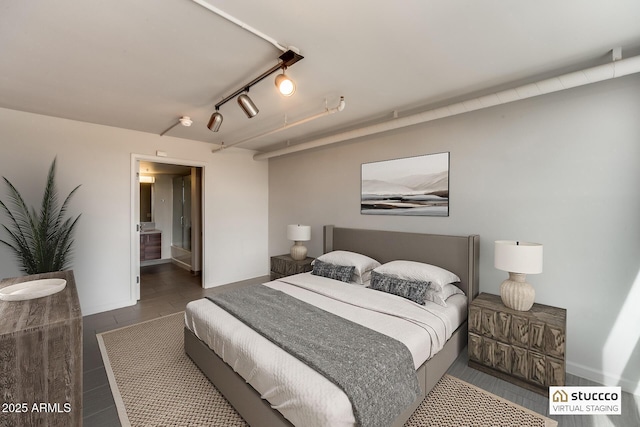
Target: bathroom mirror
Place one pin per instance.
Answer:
(146, 202)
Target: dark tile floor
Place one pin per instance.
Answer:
(166, 289)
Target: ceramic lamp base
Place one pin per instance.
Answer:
(298, 251)
(516, 293)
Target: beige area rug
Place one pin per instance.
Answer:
(454, 403)
(154, 383)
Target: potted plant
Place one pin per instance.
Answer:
(42, 241)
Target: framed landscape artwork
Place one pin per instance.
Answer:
(410, 186)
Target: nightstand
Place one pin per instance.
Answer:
(526, 348)
(284, 265)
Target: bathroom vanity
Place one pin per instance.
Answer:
(150, 245)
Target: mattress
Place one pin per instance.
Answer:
(302, 395)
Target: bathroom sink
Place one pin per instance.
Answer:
(32, 289)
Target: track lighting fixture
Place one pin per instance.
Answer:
(215, 121)
(247, 105)
(285, 85)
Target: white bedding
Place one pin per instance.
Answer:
(302, 395)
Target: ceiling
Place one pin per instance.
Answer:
(142, 64)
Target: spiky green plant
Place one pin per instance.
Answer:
(42, 241)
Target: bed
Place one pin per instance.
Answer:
(458, 254)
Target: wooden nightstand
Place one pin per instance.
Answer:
(526, 348)
(284, 265)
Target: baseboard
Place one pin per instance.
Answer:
(602, 378)
(180, 264)
(155, 262)
(107, 307)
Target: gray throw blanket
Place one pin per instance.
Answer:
(374, 370)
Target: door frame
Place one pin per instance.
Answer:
(135, 215)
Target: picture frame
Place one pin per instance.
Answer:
(413, 186)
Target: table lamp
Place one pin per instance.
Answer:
(518, 259)
(298, 233)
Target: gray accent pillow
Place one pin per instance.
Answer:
(415, 291)
(420, 272)
(332, 271)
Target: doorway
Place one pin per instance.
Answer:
(168, 198)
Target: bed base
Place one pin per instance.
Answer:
(257, 412)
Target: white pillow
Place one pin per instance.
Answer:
(440, 298)
(418, 271)
(362, 263)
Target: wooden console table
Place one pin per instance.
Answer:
(526, 348)
(41, 357)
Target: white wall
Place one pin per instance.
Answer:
(99, 158)
(560, 169)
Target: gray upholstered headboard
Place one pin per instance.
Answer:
(459, 254)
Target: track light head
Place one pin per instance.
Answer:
(215, 121)
(285, 85)
(247, 105)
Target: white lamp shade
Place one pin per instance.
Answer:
(518, 257)
(298, 233)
